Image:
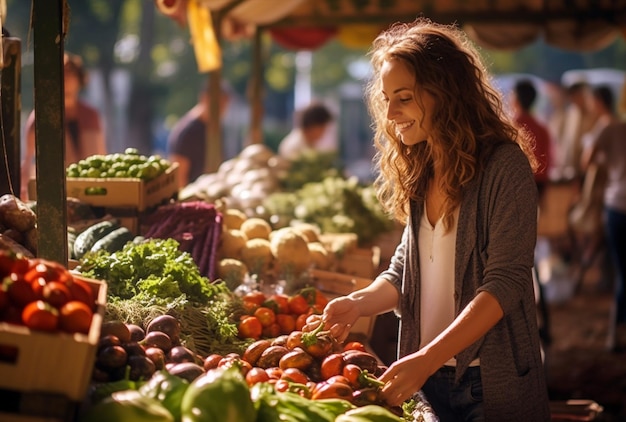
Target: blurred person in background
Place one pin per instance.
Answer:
(585, 218)
(312, 125)
(524, 96)
(577, 121)
(187, 141)
(458, 172)
(609, 152)
(84, 130)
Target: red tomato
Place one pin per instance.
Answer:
(255, 296)
(56, 294)
(256, 375)
(212, 361)
(301, 321)
(294, 375)
(265, 315)
(20, 265)
(81, 291)
(37, 285)
(278, 302)
(19, 290)
(298, 305)
(250, 307)
(39, 315)
(274, 372)
(354, 345)
(320, 299)
(281, 385)
(39, 269)
(271, 331)
(332, 365)
(75, 317)
(250, 327)
(352, 372)
(4, 298)
(286, 322)
(7, 260)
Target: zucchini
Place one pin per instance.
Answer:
(113, 241)
(88, 237)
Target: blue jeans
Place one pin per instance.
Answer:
(456, 402)
(615, 227)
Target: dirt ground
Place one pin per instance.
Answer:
(578, 365)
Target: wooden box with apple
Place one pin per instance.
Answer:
(48, 339)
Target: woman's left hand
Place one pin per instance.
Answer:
(404, 378)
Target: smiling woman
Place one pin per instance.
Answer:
(456, 170)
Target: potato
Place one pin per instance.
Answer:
(16, 214)
(12, 245)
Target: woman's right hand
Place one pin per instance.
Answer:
(339, 316)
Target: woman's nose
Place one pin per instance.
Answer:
(391, 111)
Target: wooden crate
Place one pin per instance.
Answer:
(334, 284)
(51, 363)
(121, 192)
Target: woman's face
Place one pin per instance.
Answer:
(410, 112)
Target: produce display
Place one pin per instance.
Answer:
(206, 309)
(335, 205)
(154, 277)
(196, 226)
(302, 376)
(43, 295)
(130, 164)
(309, 189)
(18, 226)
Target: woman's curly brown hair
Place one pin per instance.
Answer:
(468, 116)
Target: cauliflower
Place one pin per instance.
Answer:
(231, 243)
(232, 271)
(291, 252)
(310, 231)
(321, 258)
(234, 218)
(256, 227)
(257, 256)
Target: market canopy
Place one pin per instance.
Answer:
(582, 25)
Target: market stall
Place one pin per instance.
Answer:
(200, 295)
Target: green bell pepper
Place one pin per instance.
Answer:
(127, 406)
(369, 413)
(167, 389)
(220, 395)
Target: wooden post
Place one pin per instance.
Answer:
(48, 46)
(10, 182)
(256, 90)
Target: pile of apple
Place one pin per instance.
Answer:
(43, 295)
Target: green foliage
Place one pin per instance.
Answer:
(155, 270)
(335, 204)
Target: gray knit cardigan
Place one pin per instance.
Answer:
(496, 236)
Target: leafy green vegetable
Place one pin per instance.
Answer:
(155, 268)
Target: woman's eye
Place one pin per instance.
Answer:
(405, 100)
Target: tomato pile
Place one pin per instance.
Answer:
(43, 295)
(268, 316)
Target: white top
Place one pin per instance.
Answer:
(436, 250)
